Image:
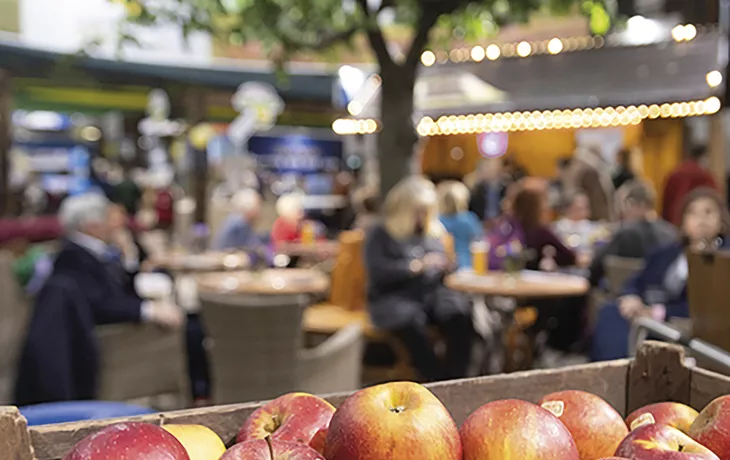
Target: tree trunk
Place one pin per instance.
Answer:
(5, 134)
(397, 136)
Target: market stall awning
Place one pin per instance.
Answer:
(605, 76)
(23, 61)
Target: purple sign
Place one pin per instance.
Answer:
(492, 145)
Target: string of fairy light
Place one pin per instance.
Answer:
(523, 49)
(599, 117)
(589, 117)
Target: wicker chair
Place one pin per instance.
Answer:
(256, 349)
(14, 315)
(139, 361)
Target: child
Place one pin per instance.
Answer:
(459, 222)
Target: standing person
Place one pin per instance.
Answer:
(659, 291)
(625, 171)
(128, 194)
(487, 195)
(406, 265)
(641, 232)
(590, 172)
(462, 224)
(689, 175)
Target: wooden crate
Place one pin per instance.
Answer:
(657, 374)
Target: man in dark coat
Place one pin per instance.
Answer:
(487, 194)
(88, 287)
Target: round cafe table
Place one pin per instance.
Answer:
(213, 261)
(515, 347)
(313, 250)
(524, 285)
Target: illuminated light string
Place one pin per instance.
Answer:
(601, 117)
(523, 49)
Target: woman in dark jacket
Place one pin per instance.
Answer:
(660, 289)
(406, 264)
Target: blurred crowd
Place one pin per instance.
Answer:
(419, 233)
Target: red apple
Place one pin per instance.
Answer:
(596, 427)
(677, 415)
(260, 449)
(129, 441)
(394, 421)
(662, 442)
(514, 429)
(712, 427)
(297, 417)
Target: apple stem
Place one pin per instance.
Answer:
(271, 447)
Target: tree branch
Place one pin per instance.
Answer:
(431, 10)
(376, 37)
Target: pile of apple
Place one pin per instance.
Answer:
(403, 420)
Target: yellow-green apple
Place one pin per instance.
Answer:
(662, 442)
(515, 429)
(677, 415)
(260, 449)
(712, 427)
(393, 421)
(297, 417)
(199, 441)
(129, 441)
(596, 427)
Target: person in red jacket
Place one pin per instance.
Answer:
(688, 176)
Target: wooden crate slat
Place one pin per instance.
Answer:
(607, 380)
(462, 397)
(706, 386)
(14, 440)
(658, 374)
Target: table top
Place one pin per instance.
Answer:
(526, 284)
(318, 248)
(204, 262)
(267, 282)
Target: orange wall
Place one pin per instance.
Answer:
(660, 143)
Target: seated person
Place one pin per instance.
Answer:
(287, 226)
(238, 230)
(575, 228)
(60, 361)
(406, 265)
(463, 225)
(132, 255)
(641, 232)
(660, 289)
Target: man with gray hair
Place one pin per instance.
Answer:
(641, 232)
(86, 288)
(238, 230)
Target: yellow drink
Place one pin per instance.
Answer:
(479, 252)
(308, 233)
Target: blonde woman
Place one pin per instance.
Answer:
(463, 225)
(406, 264)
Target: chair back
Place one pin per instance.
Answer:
(708, 290)
(619, 270)
(349, 282)
(253, 345)
(138, 361)
(335, 365)
(14, 315)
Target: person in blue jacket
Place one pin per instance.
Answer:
(660, 289)
(463, 225)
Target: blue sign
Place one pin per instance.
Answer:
(296, 154)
